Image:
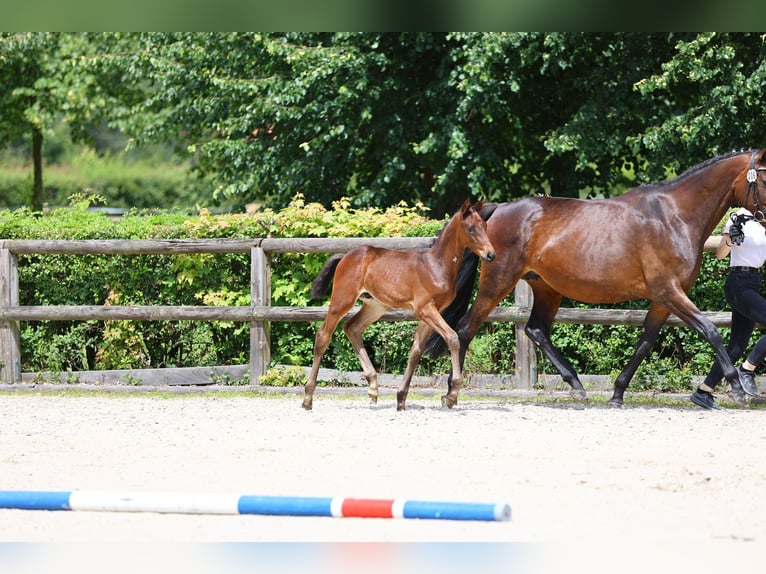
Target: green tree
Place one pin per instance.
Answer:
(43, 85)
(430, 117)
(551, 112)
(272, 115)
(704, 100)
(23, 61)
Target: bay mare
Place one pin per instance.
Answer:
(644, 244)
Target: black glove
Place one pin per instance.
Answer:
(735, 231)
(736, 234)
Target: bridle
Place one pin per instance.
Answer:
(752, 187)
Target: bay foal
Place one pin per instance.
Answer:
(420, 279)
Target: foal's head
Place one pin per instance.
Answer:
(473, 231)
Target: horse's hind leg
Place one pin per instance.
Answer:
(538, 328)
(655, 318)
(370, 312)
(321, 342)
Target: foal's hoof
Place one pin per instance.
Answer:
(579, 395)
(448, 401)
(614, 404)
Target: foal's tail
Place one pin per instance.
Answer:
(321, 283)
(464, 284)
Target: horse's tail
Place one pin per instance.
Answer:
(321, 283)
(464, 284)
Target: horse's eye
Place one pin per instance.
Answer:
(471, 229)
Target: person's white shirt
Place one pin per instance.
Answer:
(752, 251)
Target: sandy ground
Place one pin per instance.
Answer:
(593, 481)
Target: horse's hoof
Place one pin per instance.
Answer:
(739, 397)
(400, 407)
(579, 395)
(373, 400)
(448, 402)
(613, 404)
(307, 406)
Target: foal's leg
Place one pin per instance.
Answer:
(538, 329)
(370, 312)
(655, 318)
(321, 342)
(344, 295)
(422, 334)
(432, 318)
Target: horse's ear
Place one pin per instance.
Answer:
(478, 205)
(762, 158)
(466, 206)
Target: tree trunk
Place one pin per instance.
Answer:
(37, 161)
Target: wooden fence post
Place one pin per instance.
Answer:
(260, 331)
(526, 352)
(10, 342)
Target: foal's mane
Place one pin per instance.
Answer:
(485, 213)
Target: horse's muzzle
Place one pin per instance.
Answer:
(489, 257)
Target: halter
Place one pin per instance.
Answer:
(752, 187)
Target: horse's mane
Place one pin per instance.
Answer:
(697, 168)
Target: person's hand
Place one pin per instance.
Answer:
(736, 234)
(735, 231)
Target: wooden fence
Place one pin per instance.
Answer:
(260, 312)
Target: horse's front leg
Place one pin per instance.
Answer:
(538, 328)
(692, 316)
(491, 291)
(457, 352)
(433, 321)
(655, 318)
(422, 334)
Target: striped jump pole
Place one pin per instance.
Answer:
(211, 503)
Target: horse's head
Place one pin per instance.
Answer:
(750, 185)
(474, 229)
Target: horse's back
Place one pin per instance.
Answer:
(596, 251)
(374, 267)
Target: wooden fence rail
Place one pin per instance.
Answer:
(260, 312)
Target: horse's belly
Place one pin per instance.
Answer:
(612, 289)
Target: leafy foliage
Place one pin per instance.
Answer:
(378, 117)
(381, 117)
